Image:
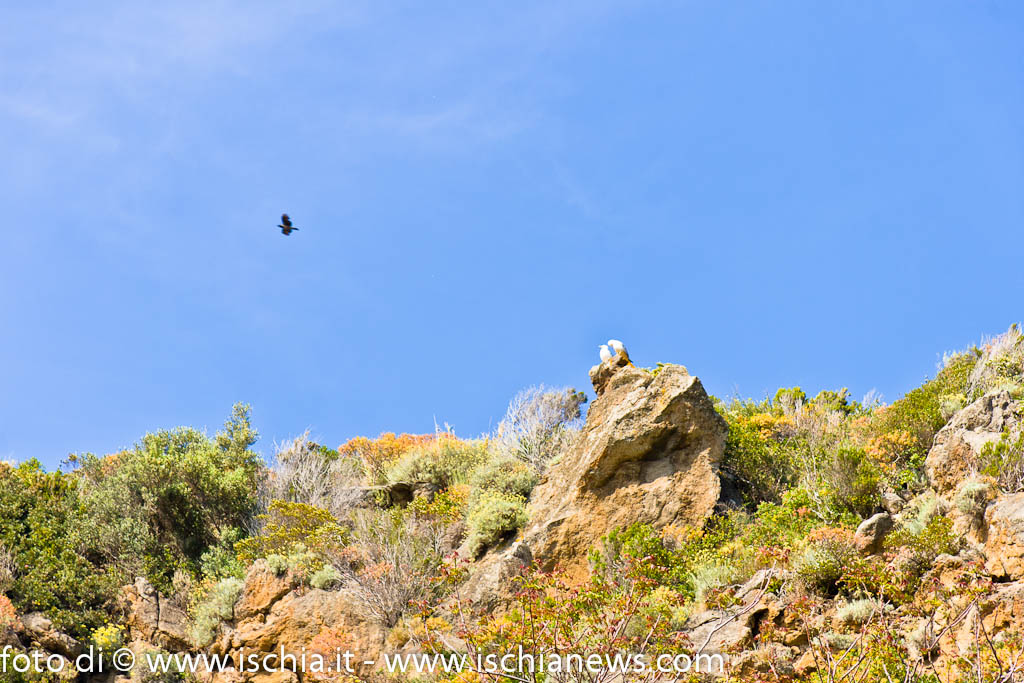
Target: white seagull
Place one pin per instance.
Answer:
(619, 347)
(605, 353)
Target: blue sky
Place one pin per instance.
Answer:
(822, 194)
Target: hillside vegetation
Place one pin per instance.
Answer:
(398, 524)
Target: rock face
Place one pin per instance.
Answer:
(154, 619)
(649, 453)
(1004, 548)
(954, 454)
(274, 613)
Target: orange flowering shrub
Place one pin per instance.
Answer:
(8, 615)
(894, 448)
(377, 454)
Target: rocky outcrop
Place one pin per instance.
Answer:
(490, 582)
(154, 619)
(275, 612)
(649, 453)
(41, 633)
(953, 457)
(1004, 548)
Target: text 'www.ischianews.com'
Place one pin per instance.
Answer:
(345, 662)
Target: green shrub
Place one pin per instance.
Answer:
(758, 457)
(509, 476)
(220, 560)
(836, 401)
(160, 506)
(825, 559)
(494, 516)
(441, 463)
(926, 542)
(973, 497)
(277, 564)
(709, 577)
(1003, 460)
(920, 411)
(851, 482)
(682, 559)
(287, 526)
(217, 607)
(783, 524)
(58, 570)
(326, 578)
(857, 612)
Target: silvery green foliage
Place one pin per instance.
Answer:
(539, 425)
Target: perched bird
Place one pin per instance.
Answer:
(619, 348)
(605, 353)
(286, 224)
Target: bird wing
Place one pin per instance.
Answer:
(285, 221)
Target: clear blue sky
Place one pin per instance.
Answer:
(813, 193)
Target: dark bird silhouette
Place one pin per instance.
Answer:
(286, 224)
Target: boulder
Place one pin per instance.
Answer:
(41, 631)
(892, 503)
(154, 619)
(954, 453)
(1004, 547)
(871, 532)
(649, 452)
(735, 627)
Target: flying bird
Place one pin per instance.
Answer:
(619, 348)
(605, 353)
(286, 225)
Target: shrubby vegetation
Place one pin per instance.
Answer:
(51, 562)
(162, 506)
(386, 520)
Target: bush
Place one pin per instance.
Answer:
(925, 540)
(7, 569)
(287, 526)
(851, 482)
(445, 462)
(277, 564)
(685, 560)
(8, 615)
(306, 472)
(539, 425)
(379, 455)
(445, 506)
(1004, 461)
(391, 562)
(57, 569)
(508, 476)
(493, 516)
(758, 454)
(828, 553)
(972, 499)
(159, 507)
(857, 612)
(920, 411)
(783, 524)
(217, 607)
(326, 578)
